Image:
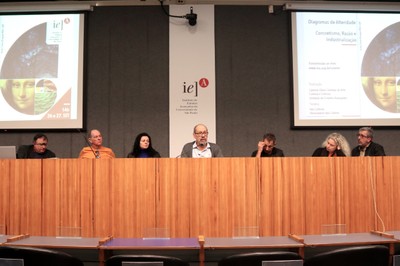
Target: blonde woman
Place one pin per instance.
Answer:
(334, 145)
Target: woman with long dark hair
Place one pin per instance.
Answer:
(142, 147)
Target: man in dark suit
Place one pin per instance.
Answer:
(366, 147)
(38, 150)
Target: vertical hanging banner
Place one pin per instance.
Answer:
(191, 75)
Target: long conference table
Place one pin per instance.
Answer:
(286, 202)
(213, 197)
(200, 251)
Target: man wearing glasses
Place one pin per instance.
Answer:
(38, 150)
(201, 148)
(366, 147)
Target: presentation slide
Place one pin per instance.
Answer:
(41, 71)
(346, 69)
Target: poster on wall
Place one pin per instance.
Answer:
(41, 58)
(346, 69)
(192, 76)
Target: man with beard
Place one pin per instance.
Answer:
(201, 148)
(366, 147)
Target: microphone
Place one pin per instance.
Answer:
(95, 153)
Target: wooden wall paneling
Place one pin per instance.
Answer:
(4, 195)
(224, 196)
(123, 197)
(133, 193)
(103, 172)
(357, 195)
(282, 196)
(394, 199)
(86, 173)
(235, 188)
(295, 175)
(62, 198)
(387, 215)
(270, 216)
(245, 203)
(207, 196)
(25, 197)
(51, 204)
(320, 191)
(174, 195)
(342, 171)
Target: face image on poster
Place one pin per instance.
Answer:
(24, 68)
(380, 71)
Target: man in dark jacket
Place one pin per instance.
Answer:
(366, 147)
(38, 150)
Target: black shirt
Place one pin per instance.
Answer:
(27, 152)
(275, 153)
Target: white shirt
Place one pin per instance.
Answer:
(206, 153)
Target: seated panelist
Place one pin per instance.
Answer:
(200, 148)
(366, 145)
(335, 145)
(38, 149)
(266, 147)
(96, 150)
(142, 148)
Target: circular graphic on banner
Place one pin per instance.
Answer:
(25, 72)
(380, 70)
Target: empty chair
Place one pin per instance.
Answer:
(256, 258)
(376, 255)
(38, 256)
(166, 260)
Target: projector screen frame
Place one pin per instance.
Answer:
(392, 123)
(81, 69)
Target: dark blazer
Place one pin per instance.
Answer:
(374, 149)
(275, 153)
(187, 150)
(322, 152)
(27, 152)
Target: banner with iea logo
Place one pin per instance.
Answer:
(192, 75)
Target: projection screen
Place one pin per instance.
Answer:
(346, 69)
(41, 71)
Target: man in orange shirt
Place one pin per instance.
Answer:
(96, 150)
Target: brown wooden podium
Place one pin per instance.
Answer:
(192, 197)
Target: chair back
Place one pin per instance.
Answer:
(166, 260)
(374, 255)
(256, 258)
(38, 256)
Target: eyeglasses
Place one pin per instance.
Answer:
(205, 133)
(362, 136)
(41, 144)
